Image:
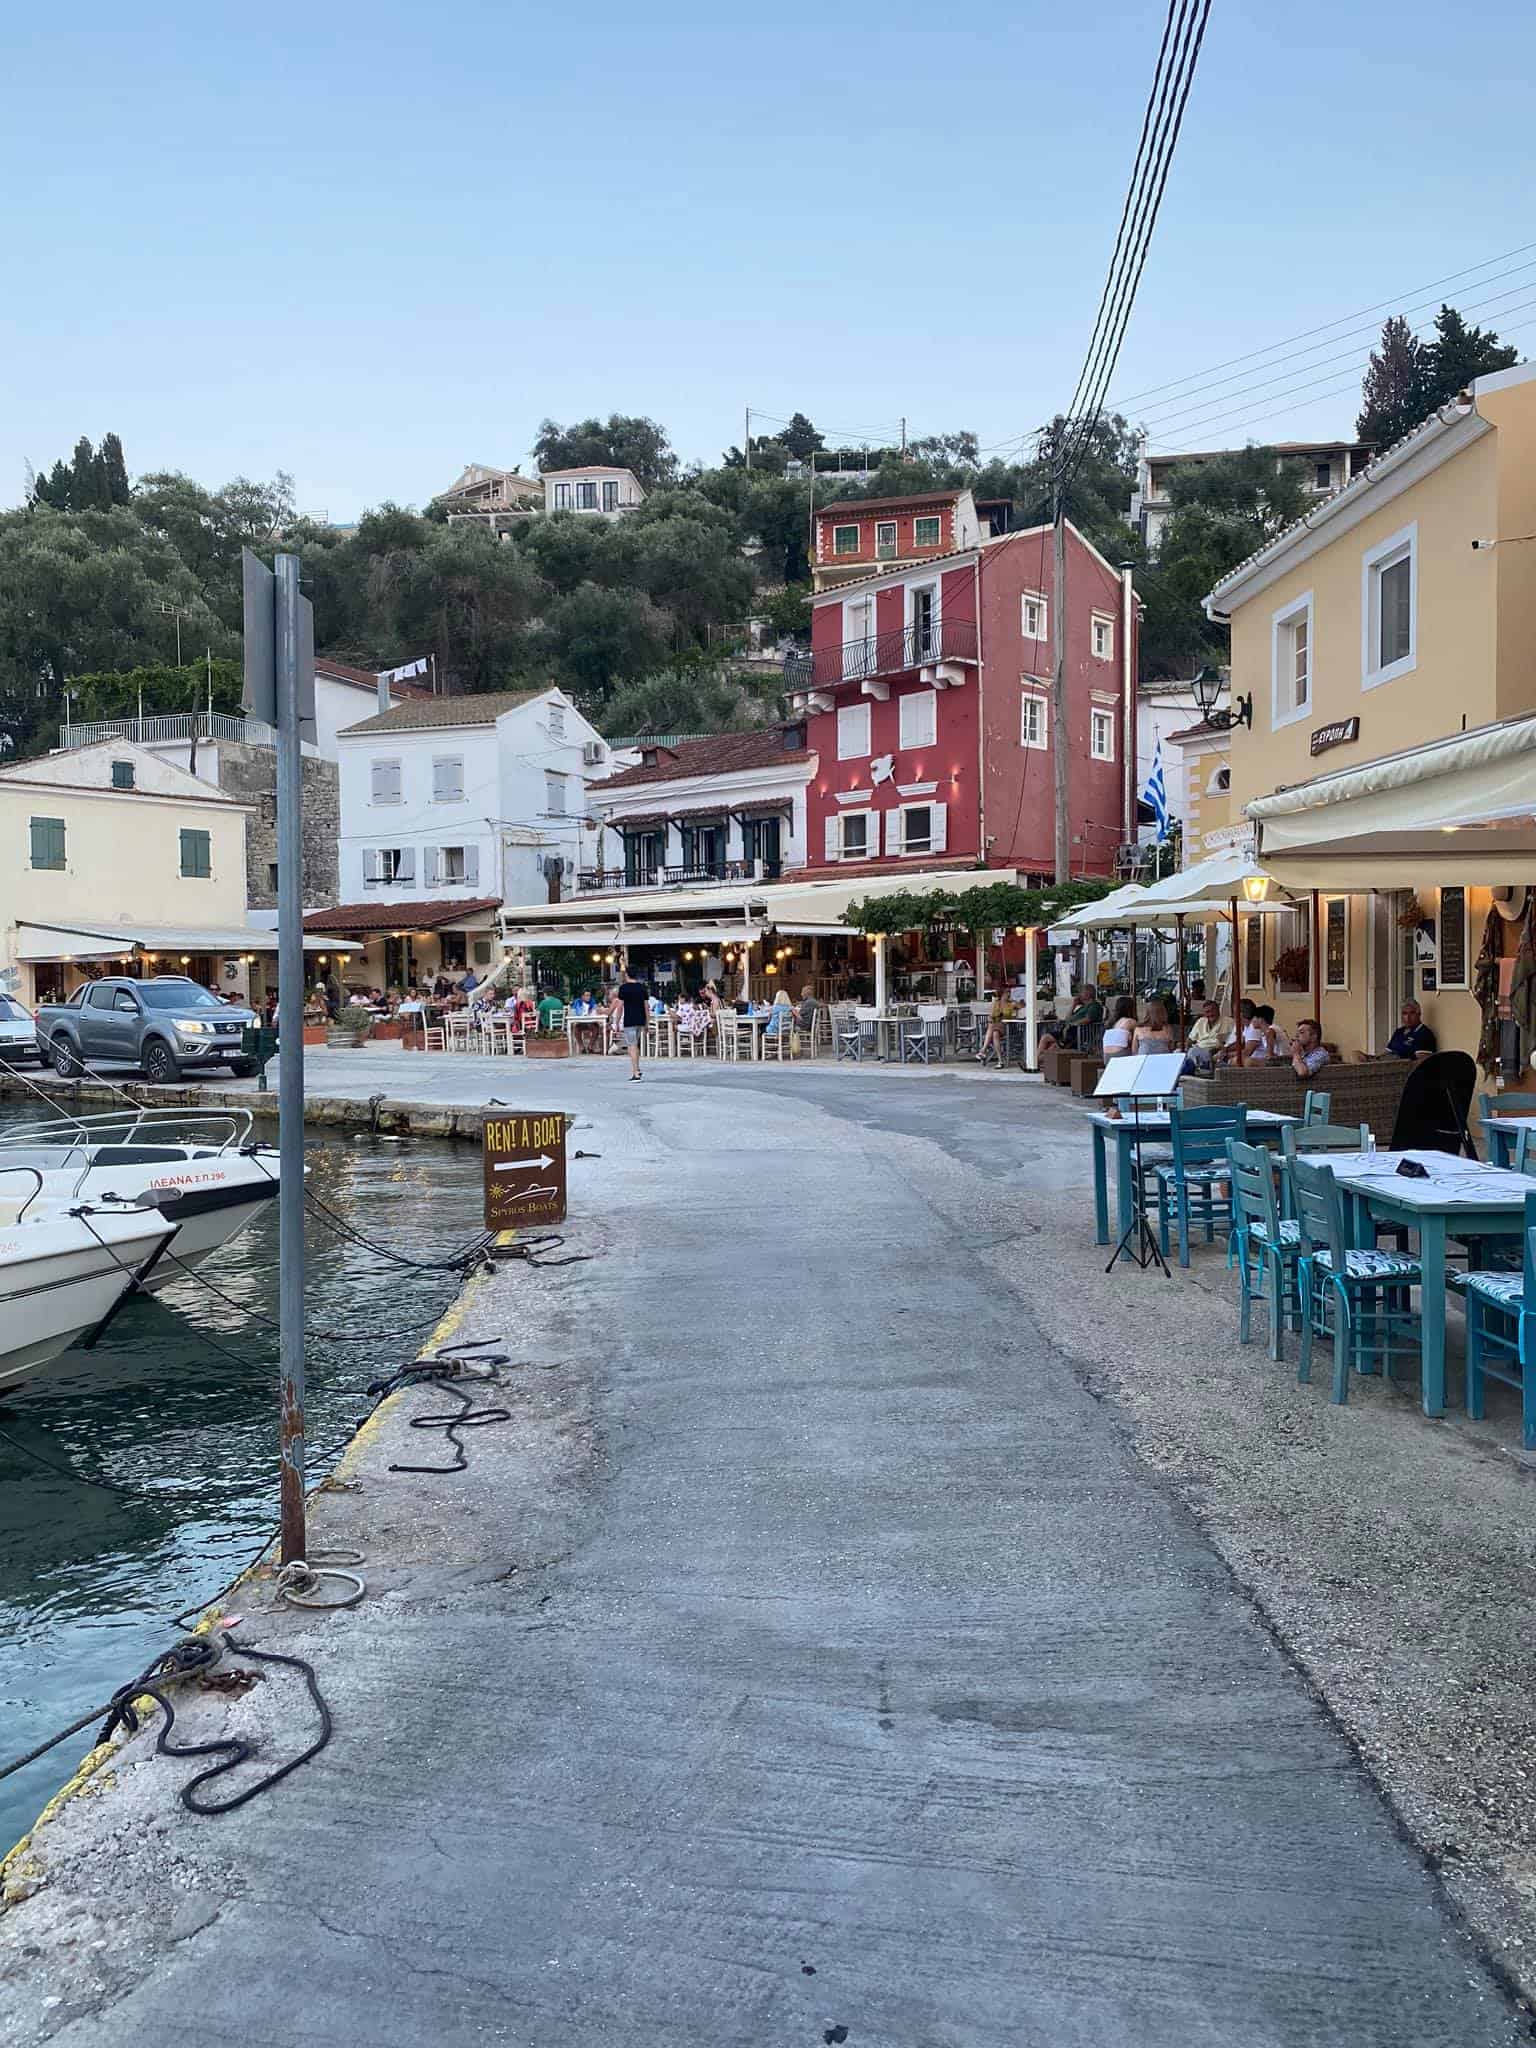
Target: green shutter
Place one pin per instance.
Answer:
(48, 842)
(122, 775)
(196, 864)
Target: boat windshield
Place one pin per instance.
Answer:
(177, 995)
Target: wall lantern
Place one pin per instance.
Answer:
(1255, 887)
(1208, 686)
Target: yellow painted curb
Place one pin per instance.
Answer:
(12, 1875)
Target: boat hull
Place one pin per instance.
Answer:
(60, 1275)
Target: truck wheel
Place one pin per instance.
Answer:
(242, 1069)
(160, 1064)
(66, 1062)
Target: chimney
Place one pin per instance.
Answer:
(383, 682)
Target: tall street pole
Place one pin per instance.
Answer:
(1059, 736)
(290, 1030)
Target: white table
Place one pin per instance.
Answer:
(597, 1021)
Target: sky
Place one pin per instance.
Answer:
(390, 240)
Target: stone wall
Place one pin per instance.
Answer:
(250, 774)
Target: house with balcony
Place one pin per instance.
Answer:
(497, 498)
(927, 699)
(594, 487)
(1384, 755)
(451, 806)
(1328, 466)
(726, 808)
(854, 536)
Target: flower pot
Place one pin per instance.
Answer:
(547, 1048)
(347, 1039)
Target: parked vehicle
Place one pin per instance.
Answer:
(18, 1034)
(165, 1024)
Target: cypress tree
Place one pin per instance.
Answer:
(115, 470)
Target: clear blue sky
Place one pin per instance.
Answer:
(391, 242)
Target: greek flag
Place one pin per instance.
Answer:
(1156, 792)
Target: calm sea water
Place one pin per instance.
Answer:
(88, 1580)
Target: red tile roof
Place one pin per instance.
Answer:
(844, 506)
(398, 917)
(365, 678)
(722, 753)
(858, 871)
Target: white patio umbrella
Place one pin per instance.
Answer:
(1108, 911)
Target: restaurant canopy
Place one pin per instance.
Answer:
(36, 941)
(1460, 810)
(1108, 911)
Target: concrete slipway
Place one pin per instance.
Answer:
(814, 1651)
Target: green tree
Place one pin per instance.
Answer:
(1394, 398)
(465, 597)
(682, 552)
(800, 438)
(595, 639)
(629, 441)
(689, 700)
(115, 469)
(1460, 353)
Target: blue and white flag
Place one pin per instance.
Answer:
(1155, 793)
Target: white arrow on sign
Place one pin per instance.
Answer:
(516, 1165)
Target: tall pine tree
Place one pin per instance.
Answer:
(1392, 399)
(1459, 353)
(115, 469)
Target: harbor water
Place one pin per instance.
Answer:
(178, 1407)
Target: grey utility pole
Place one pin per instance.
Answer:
(1059, 736)
(280, 688)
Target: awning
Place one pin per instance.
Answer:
(37, 941)
(535, 937)
(1460, 810)
(1100, 916)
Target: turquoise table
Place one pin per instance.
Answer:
(1264, 1127)
(1461, 1198)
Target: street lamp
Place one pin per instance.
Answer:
(1255, 887)
(1208, 686)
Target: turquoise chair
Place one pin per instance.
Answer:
(1501, 1330)
(1490, 1108)
(1315, 1105)
(1265, 1244)
(1361, 1299)
(1195, 1182)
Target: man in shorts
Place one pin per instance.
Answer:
(630, 1002)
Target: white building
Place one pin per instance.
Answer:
(1329, 466)
(497, 498)
(451, 806)
(729, 807)
(595, 487)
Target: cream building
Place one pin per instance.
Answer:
(1384, 640)
(111, 859)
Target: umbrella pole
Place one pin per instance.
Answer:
(1317, 964)
(1183, 1005)
(1237, 1022)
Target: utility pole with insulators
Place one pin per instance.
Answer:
(280, 688)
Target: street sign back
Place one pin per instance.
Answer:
(524, 1157)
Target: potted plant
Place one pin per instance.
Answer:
(350, 1026)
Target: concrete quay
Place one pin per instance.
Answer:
(872, 1618)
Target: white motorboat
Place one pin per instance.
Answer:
(64, 1266)
(199, 1166)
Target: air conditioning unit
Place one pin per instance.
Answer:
(592, 754)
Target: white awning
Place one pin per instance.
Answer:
(103, 941)
(1100, 916)
(535, 937)
(1459, 810)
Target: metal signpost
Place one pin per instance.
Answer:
(524, 1154)
(280, 688)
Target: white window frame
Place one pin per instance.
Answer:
(610, 494)
(842, 554)
(440, 761)
(852, 712)
(1282, 680)
(1399, 546)
(1040, 740)
(903, 846)
(1101, 622)
(908, 706)
(586, 495)
(1035, 601)
(382, 761)
(1101, 720)
(871, 846)
(555, 786)
(928, 519)
(443, 866)
(562, 497)
(883, 528)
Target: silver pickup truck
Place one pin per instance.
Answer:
(166, 1024)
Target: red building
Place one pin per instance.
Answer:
(927, 695)
(856, 536)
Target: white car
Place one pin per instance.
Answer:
(18, 1034)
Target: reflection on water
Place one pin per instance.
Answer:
(88, 1580)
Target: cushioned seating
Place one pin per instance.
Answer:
(1290, 1233)
(1499, 1290)
(1371, 1265)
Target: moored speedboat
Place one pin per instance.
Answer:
(64, 1266)
(200, 1167)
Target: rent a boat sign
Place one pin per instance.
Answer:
(524, 1155)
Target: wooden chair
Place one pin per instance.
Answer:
(1499, 1144)
(1501, 1328)
(1196, 1182)
(1266, 1245)
(1361, 1299)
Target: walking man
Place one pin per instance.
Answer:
(631, 1000)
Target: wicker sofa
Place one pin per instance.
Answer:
(1366, 1091)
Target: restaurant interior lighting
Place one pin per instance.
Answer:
(1255, 887)
(186, 959)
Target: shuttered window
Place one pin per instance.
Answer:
(47, 842)
(196, 856)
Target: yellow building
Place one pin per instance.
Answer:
(111, 857)
(1387, 643)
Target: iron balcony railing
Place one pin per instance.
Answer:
(176, 725)
(883, 654)
(597, 880)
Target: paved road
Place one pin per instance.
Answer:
(879, 1687)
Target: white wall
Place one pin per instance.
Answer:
(753, 786)
(1163, 715)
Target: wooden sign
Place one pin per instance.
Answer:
(524, 1155)
(1338, 734)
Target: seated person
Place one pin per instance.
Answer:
(781, 1015)
(1309, 1053)
(1276, 1045)
(1207, 1035)
(550, 1007)
(1413, 1039)
(1120, 1032)
(996, 1038)
(692, 1018)
(807, 1007)
(1076, 1028)
(1154, 1033)
(1255, 1044)
(589, 1030)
